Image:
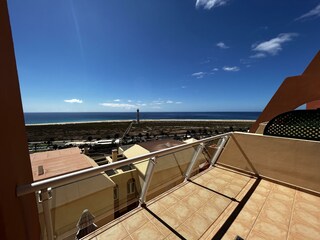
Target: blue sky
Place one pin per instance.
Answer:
(159, 55)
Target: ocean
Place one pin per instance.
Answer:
(65, 117)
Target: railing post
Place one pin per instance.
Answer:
(149, 173)
(221, 143)
(193, 161)
(44, 197)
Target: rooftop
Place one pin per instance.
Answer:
(58, 162)
(153, 146)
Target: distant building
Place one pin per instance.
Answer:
(169, 169)
(70, 200)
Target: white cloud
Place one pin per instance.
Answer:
(118, 105)
(157, 102)
(208, 4)
(222, 45)
(312, 13)
(117, 100)
(231, 69)
(162, 102)
(156, 107)
(258, 55)
(74, 100)
(183, 87)
(142, 104)
(274, 45)
(198, 74)
(215, 69)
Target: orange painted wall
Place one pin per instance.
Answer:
(18, 216)
(293, 92)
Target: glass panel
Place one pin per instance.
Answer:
(114, 193)
(169, 172)
(104, 196)
(209, 150)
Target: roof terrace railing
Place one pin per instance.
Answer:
(43, 187)
(86, 173)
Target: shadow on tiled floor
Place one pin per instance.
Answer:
(221, 203)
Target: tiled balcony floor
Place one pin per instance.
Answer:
(210, 206)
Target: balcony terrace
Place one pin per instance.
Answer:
(221, 204)
(257, 187)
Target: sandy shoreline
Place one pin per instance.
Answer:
(147, 120)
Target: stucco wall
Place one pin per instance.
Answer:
(289, 160)
(121, 179)
(69, 201)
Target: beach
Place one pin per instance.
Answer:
(116, 128)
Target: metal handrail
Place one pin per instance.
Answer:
(86, 173)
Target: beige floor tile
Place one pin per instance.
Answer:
(307, 206)
(170, 219)
(148, 214)
(135, 221)
(210, 212)
(219, 201)
(231, 191)
(255, 204)
(305, 197)
(226, 177)
(231, 236)
(181, 211)
(213, 186)
(303, 231)
(246, 216)
(240, 182)
(266, 184)
(272, 230)
(290, 192)
(147, 232)
(280, 206)
(156, 208)
(201, 180)
(262, 191)
(205, 194)
(239, 228)
(114, 233)
(307, 218)
(271, 214)
(161, 227)
(181, 192)
(172, 236)
(194, 201)
(197, 224)
(255, 235)
(205, 177)
(168, 201)
(288, 199)
(186, 232)
(221, 182)
(215, 172)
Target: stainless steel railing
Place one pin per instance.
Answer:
(43, 187)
